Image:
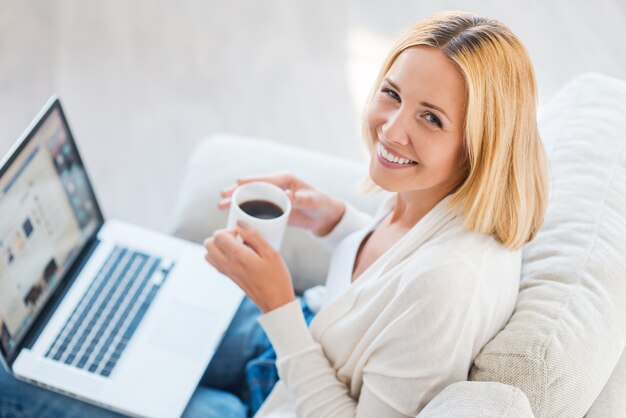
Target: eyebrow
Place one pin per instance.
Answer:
(432, 106)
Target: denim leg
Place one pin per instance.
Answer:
(244, 363)
(213, 403)
(22, 400)
(243, 340)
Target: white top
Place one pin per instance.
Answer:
(411, 324)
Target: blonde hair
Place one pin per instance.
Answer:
(505, 191)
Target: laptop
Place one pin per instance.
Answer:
(104, 311)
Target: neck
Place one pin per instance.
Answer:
(411, 206)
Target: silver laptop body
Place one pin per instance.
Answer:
(107, 312)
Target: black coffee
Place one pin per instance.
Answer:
(261, 209)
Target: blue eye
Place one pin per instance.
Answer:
(433, 119)
(391, 93)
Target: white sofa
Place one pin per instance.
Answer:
(562, 352)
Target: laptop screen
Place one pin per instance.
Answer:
(47, 214)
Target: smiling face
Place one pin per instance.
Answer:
(418, 113)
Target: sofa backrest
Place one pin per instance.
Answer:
(568, 331)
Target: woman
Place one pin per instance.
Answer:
(414, 293)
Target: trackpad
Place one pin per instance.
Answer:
(184, 330)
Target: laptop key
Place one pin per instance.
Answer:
(101, 325)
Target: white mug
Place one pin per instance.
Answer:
(272, 229)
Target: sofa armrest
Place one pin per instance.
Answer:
(220, 159)
(478, 399)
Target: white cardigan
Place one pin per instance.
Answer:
(411, 324)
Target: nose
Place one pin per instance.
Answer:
(395, 129)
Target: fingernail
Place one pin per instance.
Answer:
(242, 224)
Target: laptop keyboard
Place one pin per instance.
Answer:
(100, 327)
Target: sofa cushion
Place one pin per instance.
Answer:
(610, 402)
(480, 400)
(568, 330)
(210, 169)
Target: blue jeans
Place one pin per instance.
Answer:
(21, 400)
(239, 377)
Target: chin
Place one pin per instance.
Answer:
(383, 181)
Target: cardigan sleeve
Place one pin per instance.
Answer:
(352, 220)
(304, 369)
(420, 349)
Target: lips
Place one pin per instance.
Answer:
(394, 166)
(395, 153)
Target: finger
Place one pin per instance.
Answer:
(283, 179)
(216, 234)
(254, 239)
(224, 203)
(291, 194)
(300, 197)
(220, 233)
(228, 191)
(214, 256)
(225, 240)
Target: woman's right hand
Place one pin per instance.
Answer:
(310, 208)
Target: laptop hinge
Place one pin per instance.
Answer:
(55, 299)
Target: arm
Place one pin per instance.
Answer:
(419, 349)
(351, 219)
(307, 373)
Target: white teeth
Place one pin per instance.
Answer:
(390, 157)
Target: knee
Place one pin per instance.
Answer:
(209, 403)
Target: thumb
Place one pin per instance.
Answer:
(253, 238)
(300, 197)
(291, 194)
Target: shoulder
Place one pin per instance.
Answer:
(457, 243)
(456, 260)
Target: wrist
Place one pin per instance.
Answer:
(268, 307)
(339, 210)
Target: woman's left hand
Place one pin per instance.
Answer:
(254, 265)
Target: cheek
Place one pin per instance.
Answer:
(444, 155)
(460, 150)
(454, 158)
(375, 115)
